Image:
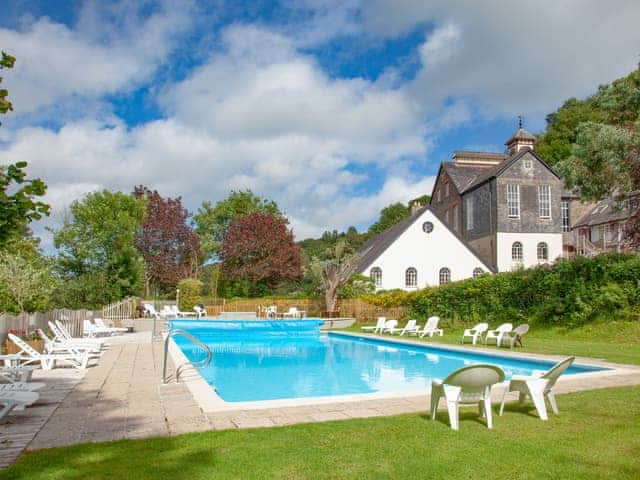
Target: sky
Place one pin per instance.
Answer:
(334, 109)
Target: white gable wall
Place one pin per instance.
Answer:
(427, 253)
(529, 243)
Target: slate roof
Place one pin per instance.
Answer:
(376, 246)
(605, 211)
(463, 175)
(521, 134)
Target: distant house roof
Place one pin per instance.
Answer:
(605, 211)
(376, 246)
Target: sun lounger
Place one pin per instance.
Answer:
(377, 328)
(62, 334)
(21, 386)
(66, 347)
(410, 327)
(431, 327)
(16, 374)
(49, 360)
(100, 324)
(10, 400)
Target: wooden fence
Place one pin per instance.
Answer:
(356, 308)
(28, 322)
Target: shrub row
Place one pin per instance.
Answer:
(570, 293)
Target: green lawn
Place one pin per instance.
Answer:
(597, 435)
(616, 341)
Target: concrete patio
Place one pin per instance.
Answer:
(122, 397)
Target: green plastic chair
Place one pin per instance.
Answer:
(466, 386)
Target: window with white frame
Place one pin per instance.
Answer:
(516, 252)
(543, 252)
(445, 275)
(544, 201)
(564, 208)
(411, 277)
(469, 214)
(513, 201)
(376, 276)
(477, 272)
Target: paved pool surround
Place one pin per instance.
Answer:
(123, 397)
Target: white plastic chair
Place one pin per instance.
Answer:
(466, 386)
(291, 313)
(431, 327)
(271, 311)
(515, 336)
(379, 326)
(498, 333)
(538, 387)
(475, 333)
(200, 312)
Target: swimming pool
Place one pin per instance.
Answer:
(270, 360)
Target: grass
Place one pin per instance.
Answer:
(615, 341)
(597, 435)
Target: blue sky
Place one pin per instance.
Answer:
(334, 109)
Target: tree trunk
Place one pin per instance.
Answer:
(331, 297)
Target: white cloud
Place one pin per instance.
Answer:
(513, 57)
(57, 64)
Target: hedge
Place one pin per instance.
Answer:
(569, 292)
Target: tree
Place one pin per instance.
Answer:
(604, 158)
(334, 272)
(212, 221)
(260, 249)
(389, 216)
(97, 256)
(25, 284)
(168, 244)
(17, 204)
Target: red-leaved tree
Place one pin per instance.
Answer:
(260, 248)
(168, 244)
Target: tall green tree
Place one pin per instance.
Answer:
(389, 216)
(604, 136)
(26, 283)
(212, 221)
(18, 204)
(96, 252)
(333, 271)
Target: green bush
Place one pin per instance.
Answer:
(190, 289)
(570, 293)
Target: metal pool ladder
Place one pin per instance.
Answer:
(197, 364)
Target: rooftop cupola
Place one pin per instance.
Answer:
(520, 139)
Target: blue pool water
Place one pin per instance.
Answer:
(268, 360)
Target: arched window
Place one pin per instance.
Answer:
(445, 275)
(411, 277)
(477, 272)
(516, 252)
(376, 276)
(543, 252)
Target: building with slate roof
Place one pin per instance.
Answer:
(491, 212)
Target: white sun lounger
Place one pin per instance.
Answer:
(431, 327)
(66, 347)
(10, 400)
(16, 374)
(49, 360)
(62, 334)
(101, 324)
(410, 327)
(377, 328)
